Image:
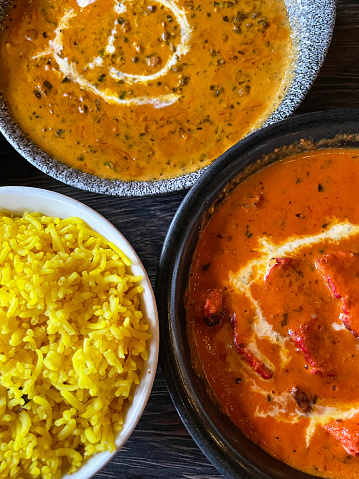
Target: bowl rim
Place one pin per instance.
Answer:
(181, 381)
(17, 200)
(318, 17)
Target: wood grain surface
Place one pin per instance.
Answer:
(160, 446)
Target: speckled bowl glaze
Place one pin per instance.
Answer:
(312, 24)
(235, 456)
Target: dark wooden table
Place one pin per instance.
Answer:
(161, 447)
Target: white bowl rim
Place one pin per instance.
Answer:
(17, 200)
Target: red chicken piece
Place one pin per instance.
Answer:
(213, 307)
(317, 342)
(275, 263)
(301, 339)
(340, 269)
(347, 432)
(256, 364)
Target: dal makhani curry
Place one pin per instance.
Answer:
(272, 310)
(142, 89)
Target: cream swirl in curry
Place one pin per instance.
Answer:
(143, 89)
(273, 310)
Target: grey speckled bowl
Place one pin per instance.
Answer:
(312, 24)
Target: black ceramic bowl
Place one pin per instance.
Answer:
(227, 448)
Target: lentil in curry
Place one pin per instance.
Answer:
(142, 89)
(272, 310)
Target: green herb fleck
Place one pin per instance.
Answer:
(110, 165)
(47, 18)
(299, 181)
(298, 310)
(123, 95)
(320, 188)
(48, 85)
(66, 80)
(298, 271)
(60, 132)
(248, 233)
(284, 321)
(101, 77)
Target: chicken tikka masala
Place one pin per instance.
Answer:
(273, 310)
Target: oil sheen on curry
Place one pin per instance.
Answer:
(273, 310)
(143, 89)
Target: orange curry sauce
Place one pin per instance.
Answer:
(273, 310)
(143, 89)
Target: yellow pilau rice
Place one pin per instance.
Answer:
(73, 341)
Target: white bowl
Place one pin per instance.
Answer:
(17, 200)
